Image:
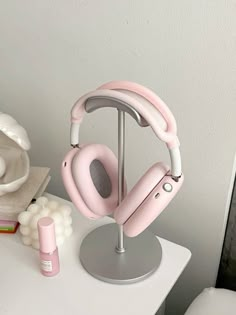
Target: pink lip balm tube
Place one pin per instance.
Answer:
(48, 252)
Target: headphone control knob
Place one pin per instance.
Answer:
(167, 187)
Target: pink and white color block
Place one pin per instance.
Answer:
(156, 188)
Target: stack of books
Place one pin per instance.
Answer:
(13, 203)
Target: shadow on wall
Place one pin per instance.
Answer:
(227, 270)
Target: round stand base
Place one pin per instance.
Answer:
(98, 255)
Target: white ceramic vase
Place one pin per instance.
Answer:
(14, 160)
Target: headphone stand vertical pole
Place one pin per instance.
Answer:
(121, 176)
(126, 260)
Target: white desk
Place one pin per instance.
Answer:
(24, 291)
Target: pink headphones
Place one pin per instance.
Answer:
(90, 172)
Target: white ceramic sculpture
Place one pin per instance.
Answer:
(43, 207)
(14, 160)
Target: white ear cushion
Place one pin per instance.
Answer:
(98, 202)
(139, 192)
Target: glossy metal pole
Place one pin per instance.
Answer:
(121, 184)
(101, 252)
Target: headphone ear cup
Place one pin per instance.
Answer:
(139, 192)
(71, 187)
(95, 172)
(153, 205)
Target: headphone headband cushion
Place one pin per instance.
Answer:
(95, 172)
(149, 95)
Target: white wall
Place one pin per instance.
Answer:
(51, 52)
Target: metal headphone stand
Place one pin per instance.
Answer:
(126, 260)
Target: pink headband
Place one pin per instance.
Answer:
(150, 96)
(108, 90)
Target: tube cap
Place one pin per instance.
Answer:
(47, 238)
